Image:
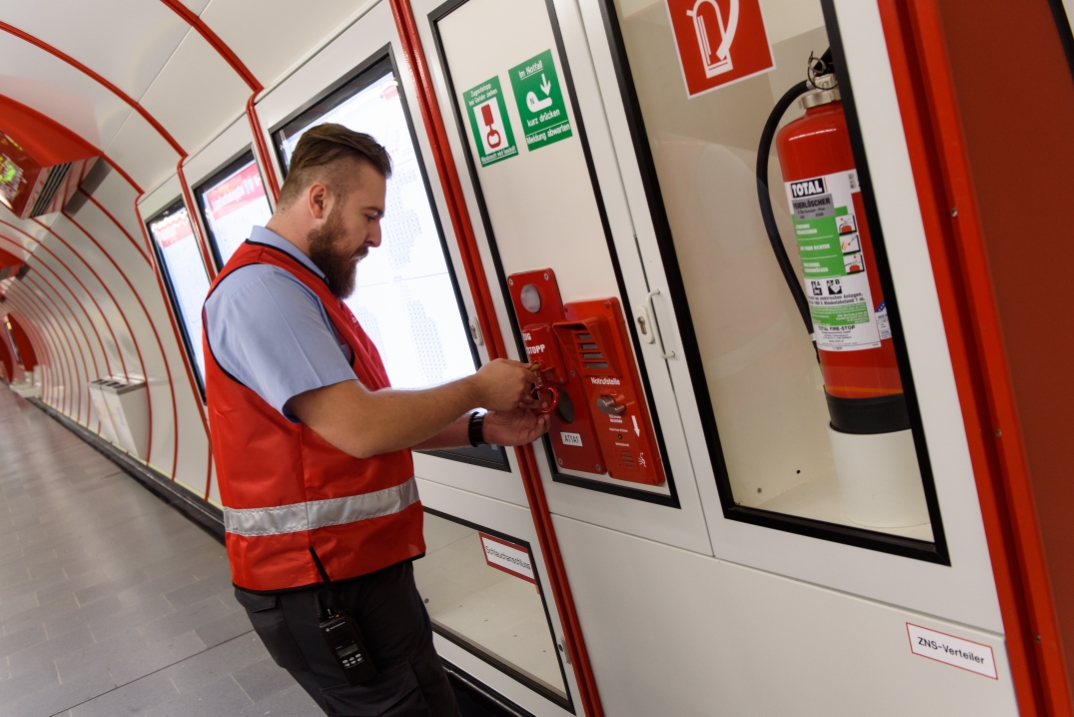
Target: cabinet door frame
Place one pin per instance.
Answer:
(679, 523)
(962, 591)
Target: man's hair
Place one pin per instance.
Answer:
(327, 153)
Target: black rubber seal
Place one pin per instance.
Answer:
(865, 416)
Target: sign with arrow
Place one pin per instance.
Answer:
(539, 96)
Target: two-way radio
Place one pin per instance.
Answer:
(341, 633)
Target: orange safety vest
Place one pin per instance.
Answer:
(285, 488)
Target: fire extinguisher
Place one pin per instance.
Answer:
(842, 302)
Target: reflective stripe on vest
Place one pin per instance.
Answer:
(294, 518)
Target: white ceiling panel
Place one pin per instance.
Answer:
(126, 41)
(52, 87)
(142, 152)
(196, 94)
(271, 35)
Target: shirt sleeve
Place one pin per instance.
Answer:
(269, 331)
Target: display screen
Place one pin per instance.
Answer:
(184, 271)
(405, 297)
(232, 202)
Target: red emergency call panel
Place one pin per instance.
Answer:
(586, 368)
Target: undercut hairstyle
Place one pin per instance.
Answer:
(329, 153)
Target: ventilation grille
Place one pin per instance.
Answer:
(56, 177)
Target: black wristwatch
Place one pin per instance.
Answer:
(476, 429)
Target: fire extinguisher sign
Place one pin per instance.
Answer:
(488, 119)
(719, 42)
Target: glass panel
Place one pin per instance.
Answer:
(494, 612)
(405, 298)
(828, 441)
(185, 275)
(232, 205)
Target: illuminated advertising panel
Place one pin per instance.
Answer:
(184, 274)
(232, 202)
(405, 297)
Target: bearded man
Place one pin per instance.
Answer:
(312, 445)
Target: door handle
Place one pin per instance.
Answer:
(655, 323)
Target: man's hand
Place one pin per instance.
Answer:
(504, 385)
(516, 427)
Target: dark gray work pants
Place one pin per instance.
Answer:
(398, 635)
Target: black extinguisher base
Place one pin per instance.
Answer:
(863, 416)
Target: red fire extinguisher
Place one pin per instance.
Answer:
(841, 302)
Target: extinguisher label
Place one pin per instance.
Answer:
(826, 228)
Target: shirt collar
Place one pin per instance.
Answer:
(261, 235)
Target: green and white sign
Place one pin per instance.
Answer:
(488, 119)
(539, 95)
(830, 245)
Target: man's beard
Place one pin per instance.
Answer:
(339, 269)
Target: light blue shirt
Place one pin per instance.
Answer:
(269, 331)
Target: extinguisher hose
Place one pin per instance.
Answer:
(764, 150)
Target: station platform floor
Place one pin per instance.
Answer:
(111, 602)
(114, 603)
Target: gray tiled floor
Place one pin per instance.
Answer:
(112, 603)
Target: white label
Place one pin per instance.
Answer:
(972, 656)
(882, 321)
(571, 439)
(830, 247)
(507, 557)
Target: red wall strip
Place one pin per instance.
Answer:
(62, 263)
(69, 336)
(41, 346)
(251, 81)
(219, 45)
(940, 159)
(195, 225)
(22, 342)
(121, 228)
(134, 338)
(265, 159)
(52, 294)
(45, 318)
(531, 477)
(38, 267)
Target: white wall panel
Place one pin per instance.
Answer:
(117, 196)
(271, 35)
(52, 87)
(196, 6)
(148, 339)
(126, 41)
(666, 627)
(167, 192)
(66, 327)
(234, 140)
(142, 152)
(196, 94)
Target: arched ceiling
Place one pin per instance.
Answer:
(149, 81)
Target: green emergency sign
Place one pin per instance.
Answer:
(539, 96)
(489, 122)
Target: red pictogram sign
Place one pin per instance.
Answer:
(719, 41)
